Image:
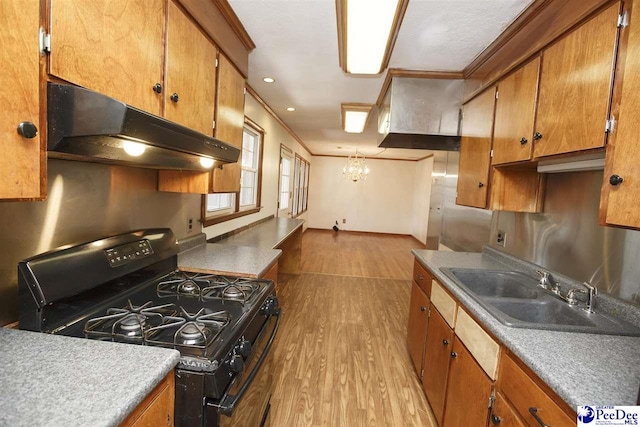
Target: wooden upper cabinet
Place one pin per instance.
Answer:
(417, 329)
(438, 347)
(191, 85)
(475, 147)
(575, 86)
(229, 123)
(230, 108)
(114, 47)
(619, 201)
(22, 163)
(468, 390)
(515, 110)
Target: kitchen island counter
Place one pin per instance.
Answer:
(63, 381)
(583, 369)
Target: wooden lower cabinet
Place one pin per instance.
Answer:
(417, 328)
(524, 393)
(436, 362)
(422, 278)
(468, 390)
(503, 414)
(272, 274)
(156, 410)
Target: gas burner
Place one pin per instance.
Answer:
(183, 283)
(230, 289)
(129, 323)
(187, 330)
(188, 287)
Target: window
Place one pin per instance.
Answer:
(225, 206)
(300, 186)
(285, 182)
(249, 173)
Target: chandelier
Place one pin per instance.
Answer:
(356, 168)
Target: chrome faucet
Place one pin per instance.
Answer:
(590, 292)
(548, 282)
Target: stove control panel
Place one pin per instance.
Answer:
(124, 254)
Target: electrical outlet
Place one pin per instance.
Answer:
(501, 238)
(344, 220)
(189, 224)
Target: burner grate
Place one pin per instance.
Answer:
(129, 323)
(208, 287)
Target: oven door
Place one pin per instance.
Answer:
(246, 403)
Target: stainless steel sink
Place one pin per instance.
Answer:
(516, 300)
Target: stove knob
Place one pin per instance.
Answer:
(236, 364)
(244, 348)
(270, 307)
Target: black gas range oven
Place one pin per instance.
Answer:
(127, 288)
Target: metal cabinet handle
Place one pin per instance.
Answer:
(615, 180)
(423, 308)
(495, 419)
(480, 185)
(454, 354)
(523, 141)
(419, 277)
(534, 412)
(28, 130)
(174, 97)
(537, 136)
(445, 342)
(157, 88)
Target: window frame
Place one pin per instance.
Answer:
(238, 211)
(300, 186)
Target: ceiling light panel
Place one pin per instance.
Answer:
(355, 117)
(367, 30)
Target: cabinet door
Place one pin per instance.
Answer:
(436, 362)
(114, 47)
(468, 390)
(229, 123)
(191, 85)
(575, 86)
(515, 109)
(475, 147)
(417, 329)
(503, 414)
(22, 163)
(619, 202)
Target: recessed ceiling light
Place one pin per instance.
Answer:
(355, 116)
(268, 79)
(291, 109)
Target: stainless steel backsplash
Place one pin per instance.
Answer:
(85, 201)
(567, 238)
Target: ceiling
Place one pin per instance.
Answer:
(297, 45)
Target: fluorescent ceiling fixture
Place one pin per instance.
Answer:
(134, 149)
(268, 79)
(206, 162)
(355, 116)
(367, 31)
(291, 109)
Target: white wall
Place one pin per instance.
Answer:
(384, 203)
(275, 134)
(421, 199)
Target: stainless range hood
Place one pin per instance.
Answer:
(421, 113)
(89, 126)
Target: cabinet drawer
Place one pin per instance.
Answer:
(483, 348)
(524, 393)
(444, 302)
(422, 278)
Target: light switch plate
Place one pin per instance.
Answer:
(501, 238)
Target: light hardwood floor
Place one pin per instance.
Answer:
(341, 354)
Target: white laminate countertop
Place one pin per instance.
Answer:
(51, 380)
(583, 369)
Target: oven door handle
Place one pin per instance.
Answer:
(228, 402)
